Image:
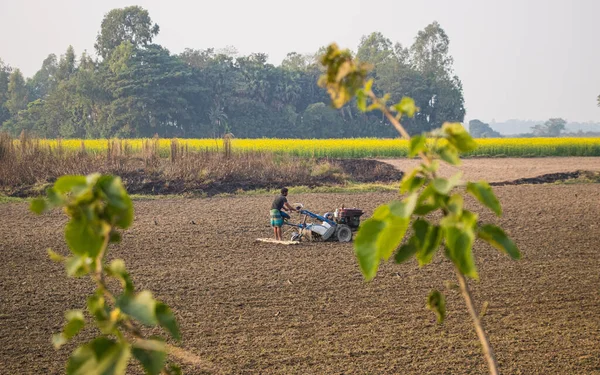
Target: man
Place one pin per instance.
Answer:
(277, 215)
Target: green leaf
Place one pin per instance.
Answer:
(391, 235)
(120, 207)
(141, 307)
(436, 302)
(54, 198)
(455, 204)
(459, 137)
(96, 305)
(406, 251)
(55, 257)
(424, 209)
(58, 340)
(449, 154)
(459, 245)
(368, 86)
(381, 212)
(77, 266)
(101, 356)
(404, 209)
(153, 361)
(38, 205)
(66, 184)
(83, 236)
(420, 228)
(484, 194)
(167, 320)
(380, 235)
(417, 144)
(365, 247)
(117, 269)
(406, 106)
(411, 182)
(75, 322)
(361, 100)
(427, 201)
(444, 186)
(430, 245)
(115, 237)
(496, 237)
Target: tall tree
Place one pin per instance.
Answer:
(551, 128)
(430, 52)
(44, 81)
(479, 129)
(5, 71)
(375, 49)
(440, 94)
(66, 65)
(17, 95)
(132, 24)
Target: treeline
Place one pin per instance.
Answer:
(554, 127)
(135, 88)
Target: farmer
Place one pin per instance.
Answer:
(277, 215)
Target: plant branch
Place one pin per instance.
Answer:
(396, 124)
(488, 352)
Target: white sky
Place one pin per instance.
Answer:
(526, 59)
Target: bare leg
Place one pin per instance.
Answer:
(275, 231)
(279, 233)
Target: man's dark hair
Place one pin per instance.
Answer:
(284, 190)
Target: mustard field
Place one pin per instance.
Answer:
(341, 148)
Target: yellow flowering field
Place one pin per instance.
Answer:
(347, 148)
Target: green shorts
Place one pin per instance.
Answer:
(276, 218)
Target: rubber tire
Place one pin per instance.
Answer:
(343, 233)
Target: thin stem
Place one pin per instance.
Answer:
(488, 352)
(396, 124)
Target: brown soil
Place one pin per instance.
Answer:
(259, 308)
(509, 169)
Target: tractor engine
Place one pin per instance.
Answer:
(348, 216)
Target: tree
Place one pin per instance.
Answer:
(17, 93)
(132, 24)
(44, 81)
(5, 71)
(480, 129)
(551, 128)
(66, 65)
(430, 52)
(218, 117)
(295, 62)
(153, 92)
(375, 49)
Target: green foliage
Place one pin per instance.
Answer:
(98, 205)
(425, 191)
(436, 302)
(479, 129)
(137, 89)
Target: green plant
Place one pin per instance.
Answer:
(98, 206)
(381, 236)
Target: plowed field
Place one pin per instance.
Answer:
(257, 308)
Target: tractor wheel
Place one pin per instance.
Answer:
(343, 233)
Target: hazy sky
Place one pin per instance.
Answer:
(526, 59)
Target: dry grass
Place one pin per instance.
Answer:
(29, 165)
